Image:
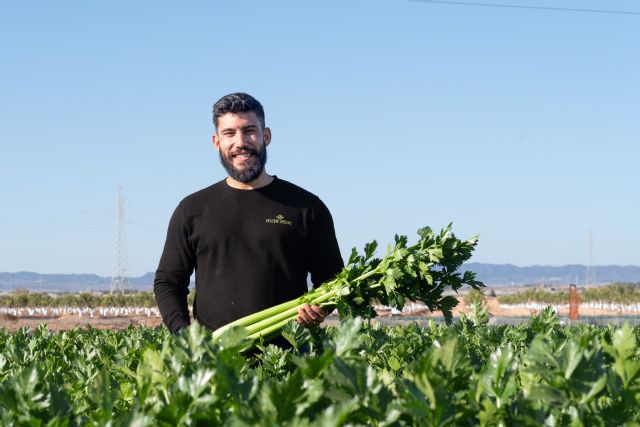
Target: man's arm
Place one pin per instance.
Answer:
(171, 284)
(325, 260)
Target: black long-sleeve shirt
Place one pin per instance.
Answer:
(251, 249)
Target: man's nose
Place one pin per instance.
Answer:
(241, 138)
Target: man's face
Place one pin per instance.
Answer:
(242, 143)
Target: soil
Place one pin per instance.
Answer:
(66, 322)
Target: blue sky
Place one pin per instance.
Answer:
(519, 125)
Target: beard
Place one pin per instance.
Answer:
(251, 170)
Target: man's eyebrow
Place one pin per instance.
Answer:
(243, 128)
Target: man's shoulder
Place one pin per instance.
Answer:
(296, 191)
(295, 196)
(206, 194)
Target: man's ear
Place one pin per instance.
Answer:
(267, 136)
(216, 142)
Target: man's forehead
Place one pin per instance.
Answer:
(235, 120)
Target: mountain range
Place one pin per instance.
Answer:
(497, 275)
(494, 275)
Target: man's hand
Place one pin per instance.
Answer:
(311, 315)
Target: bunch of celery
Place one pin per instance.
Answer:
(419, 272)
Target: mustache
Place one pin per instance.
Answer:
(243, 150)
(249, 173)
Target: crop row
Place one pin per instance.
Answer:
(91, 312)
(620, 293)
(82, 299)
(598, 305)
(357, 374)
(410, 308)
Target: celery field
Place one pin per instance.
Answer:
(468, 373)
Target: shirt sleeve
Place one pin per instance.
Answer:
(325, 260)
(171, 283)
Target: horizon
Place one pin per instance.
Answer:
(585, 266)
(492, 275)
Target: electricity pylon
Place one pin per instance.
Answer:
(591, 270)
(119, 277)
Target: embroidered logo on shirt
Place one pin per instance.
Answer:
(279, 219)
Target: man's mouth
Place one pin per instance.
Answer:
(244, 164)
(243, 155)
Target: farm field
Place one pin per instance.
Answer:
(468, 373)
(122, 320)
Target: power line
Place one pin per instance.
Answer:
(39, 233)
(59, 222)
(517, 6)
(55, 216)
(590, 278)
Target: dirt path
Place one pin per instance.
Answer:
(64, 323)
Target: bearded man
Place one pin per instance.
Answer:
(251, 238)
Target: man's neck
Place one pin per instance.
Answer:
(263, 180)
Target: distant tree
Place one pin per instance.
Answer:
(474, 296)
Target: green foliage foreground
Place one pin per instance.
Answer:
(540, 373)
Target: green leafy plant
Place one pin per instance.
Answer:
(468, 373)
(418, 272)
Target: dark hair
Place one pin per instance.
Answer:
(237, 103)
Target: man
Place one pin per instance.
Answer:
(252, 238)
